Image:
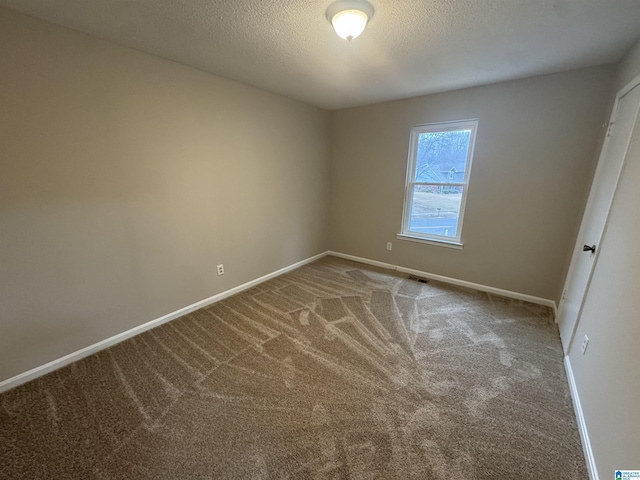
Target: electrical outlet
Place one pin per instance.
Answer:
(584, 344)
(389, 245)
(220, 269)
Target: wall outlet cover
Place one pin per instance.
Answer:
(584, 344)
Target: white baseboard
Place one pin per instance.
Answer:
(454, 281)
(582, 426)
(96, 347)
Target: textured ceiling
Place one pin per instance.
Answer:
(409, 47)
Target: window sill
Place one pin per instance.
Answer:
(437, 243)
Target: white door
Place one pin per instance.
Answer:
(604, 185)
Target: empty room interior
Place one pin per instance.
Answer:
(360, 239)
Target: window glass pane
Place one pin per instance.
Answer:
(442, 156)
(435, 210)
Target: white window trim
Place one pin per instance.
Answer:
(405, 233)
(437, 243)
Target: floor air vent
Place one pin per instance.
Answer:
(418, 279)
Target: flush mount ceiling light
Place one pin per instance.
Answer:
(349, 17)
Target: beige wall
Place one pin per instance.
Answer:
(629, 67)
(607, 376)
(533, 163)
(126, 178)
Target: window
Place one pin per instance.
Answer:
(437, 181)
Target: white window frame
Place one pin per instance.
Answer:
(447, 241)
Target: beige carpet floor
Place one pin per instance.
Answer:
(334, 370)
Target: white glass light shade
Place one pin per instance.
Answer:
(349, 24)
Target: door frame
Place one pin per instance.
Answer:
(635, 82)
